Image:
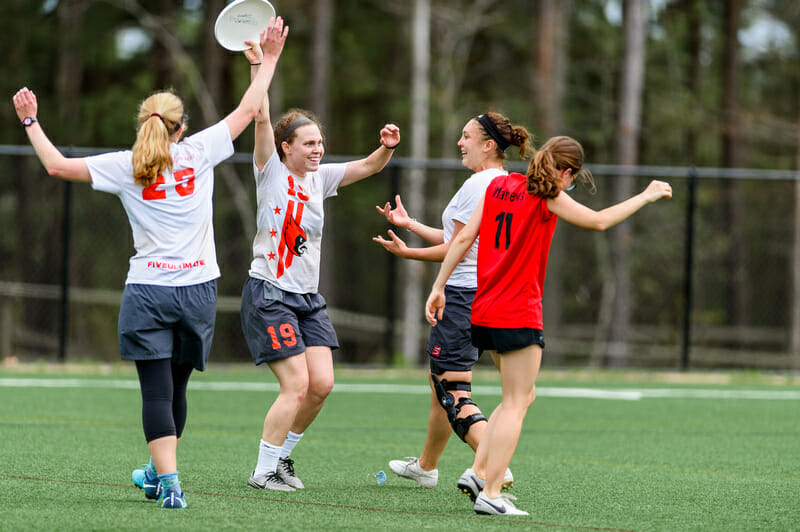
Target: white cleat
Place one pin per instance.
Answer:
(500, 505)
(285, 470)
(472, 484)
(410, 468)
(269, 481)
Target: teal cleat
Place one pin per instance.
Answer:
(151, 486)
(172, 497)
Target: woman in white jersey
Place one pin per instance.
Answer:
(168, 308)
(283, 315)
(483, 143)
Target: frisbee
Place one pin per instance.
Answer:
(240, 21)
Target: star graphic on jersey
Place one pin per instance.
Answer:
(273, 233)
(277, 210)
(271, 256)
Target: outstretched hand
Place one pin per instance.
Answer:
(657, 190)
(397, 216)
(434, 307)
(273, 38)
(25, 103)
(390, 135)
(395, 246)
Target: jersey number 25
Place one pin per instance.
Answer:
(184, 187)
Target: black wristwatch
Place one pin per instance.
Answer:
(28, 120)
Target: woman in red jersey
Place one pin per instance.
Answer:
(515, 222)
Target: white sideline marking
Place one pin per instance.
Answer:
(541, 391)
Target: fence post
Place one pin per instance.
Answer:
(65, 242)
(688, 269)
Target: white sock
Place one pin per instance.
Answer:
(267, 458)
(289, 443)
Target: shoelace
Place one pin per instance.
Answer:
(507, 496)
(288, 463)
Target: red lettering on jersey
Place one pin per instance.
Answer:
(299, 193)
(152, 193)
(184, 180)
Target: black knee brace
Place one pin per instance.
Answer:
(460, 425)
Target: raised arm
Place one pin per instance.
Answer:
(54, 162)
(578, 214)
(264, 136)
(374, 162)
(271, 45)
(459, 246)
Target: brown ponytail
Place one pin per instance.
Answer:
(514, 135)
(160, 115)
(557, 155)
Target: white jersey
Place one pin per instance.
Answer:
(460, 209)
(286, 249)
(171, 220)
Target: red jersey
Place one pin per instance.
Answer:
(515, 234)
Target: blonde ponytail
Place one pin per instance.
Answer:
(160, 115)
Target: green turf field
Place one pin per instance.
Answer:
(599, 451)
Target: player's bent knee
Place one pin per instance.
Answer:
(461, 425)
(320, 390)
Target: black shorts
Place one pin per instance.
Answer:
(450, 341)
(279, 324)
(502, 340)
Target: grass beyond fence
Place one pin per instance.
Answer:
(599, 451)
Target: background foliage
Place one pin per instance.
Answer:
(92, 61)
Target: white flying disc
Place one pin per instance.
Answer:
(240, 21)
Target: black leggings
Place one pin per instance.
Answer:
(163, 386)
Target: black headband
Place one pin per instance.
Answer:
(491, 129)
(297, 122)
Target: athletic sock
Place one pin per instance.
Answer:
(150, 471)
(268, 455)
(289, 443)
(168, 479)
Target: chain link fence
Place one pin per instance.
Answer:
(709, 273)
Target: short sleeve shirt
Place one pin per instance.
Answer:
(515, 235)
(460, 209)
(171, 220)
(286, 249)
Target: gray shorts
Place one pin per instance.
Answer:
(450, 342)
(279, 324)
(174, 322)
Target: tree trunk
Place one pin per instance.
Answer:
(415, 189)
(186, 72)
(738, 291)
(214, 71)
(70, 15)
(318, 96)
(630, 117)
(548, 82)
(454, 34)
(161, 61)
(795, 325)
(691, 8)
